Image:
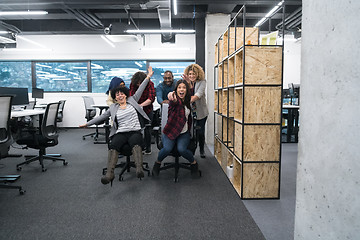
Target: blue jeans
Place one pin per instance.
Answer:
(182, 142)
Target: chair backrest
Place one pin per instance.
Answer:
(48, 124)
(90, 111)
(31, 105)
(61, 110)
(5, 113)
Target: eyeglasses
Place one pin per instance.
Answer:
(167, 77)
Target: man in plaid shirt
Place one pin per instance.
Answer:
(146, 101)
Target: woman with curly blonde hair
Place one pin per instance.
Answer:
(195, 76)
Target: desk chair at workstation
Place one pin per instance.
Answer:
(90, 113)
(174, 153)
(42, 138)
(5, 141)
(60, 114)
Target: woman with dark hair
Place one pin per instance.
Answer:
(126, 115)
(178, 127)
(146, 101)
(115, 82)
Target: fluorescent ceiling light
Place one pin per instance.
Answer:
(108, 41)
(12, 13)
(272, 11)
(122, 38)
(162, 31)
(4, 32)
(175, 6)
(138, 64)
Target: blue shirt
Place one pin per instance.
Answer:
(163, 90)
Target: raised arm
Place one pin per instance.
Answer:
(143, 85)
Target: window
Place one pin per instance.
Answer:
(159, 68)
(15, 74)
(103, 71)
(62, 76)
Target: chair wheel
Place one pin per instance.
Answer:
(199, 173)
(83, 138)
(22, 192)
(104, 172)
(121, 178)
(176, 179)
(18, 168)
(65, 163)
(43, 170)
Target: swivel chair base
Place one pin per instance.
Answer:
(41, 158)
(177, 165)
(9, 179)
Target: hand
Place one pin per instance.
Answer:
(172, 96)
(83, 126)
(150, 72)
(185, 77)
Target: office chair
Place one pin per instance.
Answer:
(5, 141)
(42, 138)
(192, 145)
(60, 114)
(128, 164)
(90, 113)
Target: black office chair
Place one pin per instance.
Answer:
(5, 141)
(128, 164)
(174, 153)
(60, 114)
(90, 113)
(42, 138)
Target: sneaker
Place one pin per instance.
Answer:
(148, 151)
(194, 168)
(202, 154)
(156, 169)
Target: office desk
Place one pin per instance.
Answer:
(27, 112)
(103, 107)
(292, 127)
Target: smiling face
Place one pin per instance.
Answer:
(168, 78)
(120, 97)
(192, 76)
(181, 91)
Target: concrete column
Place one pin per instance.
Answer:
(215, 25)
(328, 174)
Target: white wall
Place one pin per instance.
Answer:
(93, 47)
(215, 25)
(328, 170)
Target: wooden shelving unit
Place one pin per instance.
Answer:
(247, 114)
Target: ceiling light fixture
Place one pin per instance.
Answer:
(108, 41)
(272, 11)
(175, 6)
(13, 13)
(162, 31)
(4, 32)
(6, 40)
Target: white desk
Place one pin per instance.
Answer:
(27, 112)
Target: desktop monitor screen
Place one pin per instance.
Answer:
(37, 93)
(21, 96)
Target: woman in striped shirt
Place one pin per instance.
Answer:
(127, 116)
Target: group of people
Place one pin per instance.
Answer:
(130, 109)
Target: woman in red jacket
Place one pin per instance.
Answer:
(177, 128)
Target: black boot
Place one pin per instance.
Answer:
(112, 160)
(138, 157)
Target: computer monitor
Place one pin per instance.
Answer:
(37, 93)
(21, 95)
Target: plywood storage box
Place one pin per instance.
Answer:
(248, 119)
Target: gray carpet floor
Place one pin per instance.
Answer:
(69, 202)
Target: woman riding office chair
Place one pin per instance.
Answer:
(174, 153)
